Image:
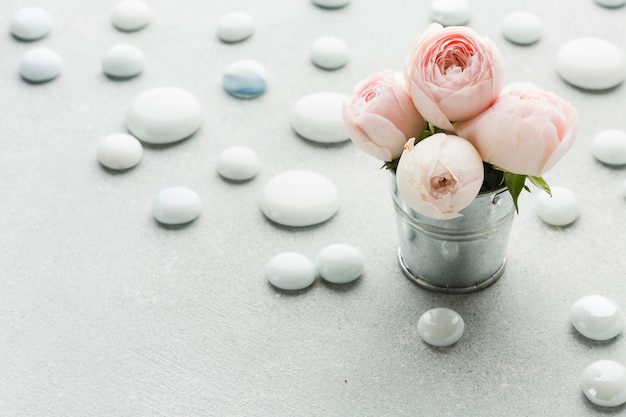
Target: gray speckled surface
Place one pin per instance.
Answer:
(105, 313)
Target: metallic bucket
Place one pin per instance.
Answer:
(460, 255)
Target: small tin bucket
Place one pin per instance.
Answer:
(460, 255)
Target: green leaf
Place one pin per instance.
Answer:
(515, 183)
(540, 183)
(391, 165)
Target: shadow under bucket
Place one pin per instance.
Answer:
(460, 255)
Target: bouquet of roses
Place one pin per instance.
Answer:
(448, 119)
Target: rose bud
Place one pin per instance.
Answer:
(453, 74)
(439, 176)
(381, 116)
(526, 131)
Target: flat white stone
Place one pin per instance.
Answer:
(30, 23)
(40, 64)
(119, 151)
(299, 198)
(340, 263)
(440, 327)
(604, 383)
(521, 27)
(131, 15)
(331, 4)
(591, 63)
(123, 61)
(609, 146)
(611, 3)
(318, 117)
(329, 52)
(290, 271)
(450, 12)
(238, 163)
(597, 317)
(561, 209)
(176, 205)
(235, 27)
(164, 115)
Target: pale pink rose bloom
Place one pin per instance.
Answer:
(453, 74)
(526, 131)
(440, 175)
(381, 116)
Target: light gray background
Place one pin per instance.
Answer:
(105, 313)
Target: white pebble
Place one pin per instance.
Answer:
(131, 15)
(164, 115)
(30, 23)
(318, 117)
(450, 12)
(597, 317)
(520, 27)
(299, 198)
(440, 327)
(290, 271)
(609, 146)
(329, 52)
(123, 61)
(235, 27)
(238, 163)
(604, 383)
(611, 3)
(591, 63)
(561, 209)
(119, 151)
(331, 4)
(40, 64)
(176, 205)
(340, 263)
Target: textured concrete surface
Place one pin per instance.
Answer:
(105, 313)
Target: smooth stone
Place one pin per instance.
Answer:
(624, 189)
(450, 12)
(440, 327)
(238, 163)
(591, 63)
(123, 61)
(329, 52)
(331, 4)
(604, 383)
(299, 198)
(522, 28)
(597, 317)
(131, 15)
(609, 146)
(340, 263)
(318, 117)
(561, 209)
(119, 151)
(40, 64)
(30, 23)
(611, 3)
(290, 271)
(235, 27)
(164, 115)
(245, 79)
(176, 205)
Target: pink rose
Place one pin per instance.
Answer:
(526, 131)
(381, 116)
(453, 74)
(440, 175)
